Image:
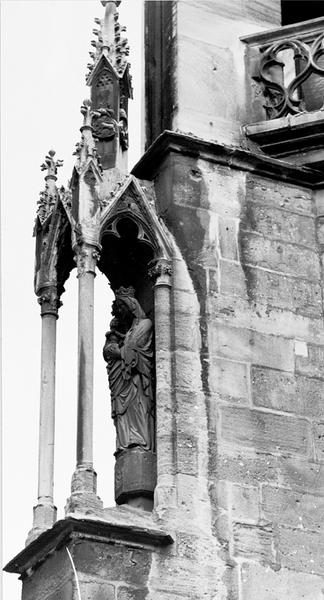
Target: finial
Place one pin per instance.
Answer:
(48, 196)
(51, 165)
(109, 40)
(86, 112)
(87, 148)
(108, 25)
(104, 2)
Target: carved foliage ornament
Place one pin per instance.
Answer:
(287, 99)
(161, 267)
(49, 301)
(48, 196)
(45, 204)
(104, 124)
(86, 148)
(116, 47)
(50, 165)
(86, 258)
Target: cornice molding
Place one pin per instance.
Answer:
(236, 158)
(66, 529)
(301, 30)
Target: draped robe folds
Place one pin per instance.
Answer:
(130, 382)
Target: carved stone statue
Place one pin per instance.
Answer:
(129, 355)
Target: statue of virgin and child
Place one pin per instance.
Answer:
(128, 351)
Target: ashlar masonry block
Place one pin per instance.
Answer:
(287, 392)
(245, 503)
(261, 287)
(249, 345)
(301, 550)
(312, 364)
(319, 440)
(244, 467)
(278, 585)
(273, 193)
(230, 379)
(129, 593)
(294, 509)
(252, 541)
(279, 224)
(279, 256)
(265, 432)
(301, 475)
(228, 229)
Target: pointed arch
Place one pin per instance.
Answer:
(132, 202)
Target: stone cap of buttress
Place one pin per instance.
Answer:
(121, 525)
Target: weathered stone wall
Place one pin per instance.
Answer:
(250, 417)
(202, 68)
(103, 571)
(240, 410)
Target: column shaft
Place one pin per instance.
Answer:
(165, 489)
(84, 480)
(85, 371)
(47, 409)
(164, 416)
(45, 511)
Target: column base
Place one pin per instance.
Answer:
(84, 497)
(135, 476)
(45, 514)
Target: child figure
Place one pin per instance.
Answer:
(111, 346)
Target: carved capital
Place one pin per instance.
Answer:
(86, 258)
(49, 301)
(161, 271)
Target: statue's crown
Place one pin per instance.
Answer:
(128, 292)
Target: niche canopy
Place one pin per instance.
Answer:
(103, 218)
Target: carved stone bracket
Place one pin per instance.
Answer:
(86, 258)
(161, 271)
(49, 301)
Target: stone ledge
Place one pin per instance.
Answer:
(302, 30)
(300, 136)
(118, 528)
(230, 156)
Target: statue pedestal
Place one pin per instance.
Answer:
(92, 558)
(135, 476)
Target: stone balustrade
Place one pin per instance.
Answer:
(285, 92)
